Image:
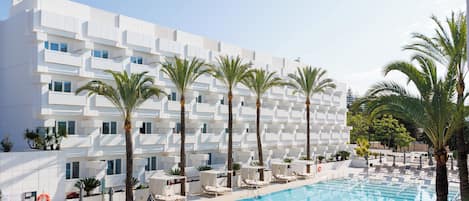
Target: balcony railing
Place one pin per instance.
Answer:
(64, 58)
(106, 64)
(59, 22)
(76, 141)
(152, 139)
(114, 180)
(59, 98)
(111, 140)
(139, 68)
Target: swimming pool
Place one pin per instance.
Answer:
(347, 189)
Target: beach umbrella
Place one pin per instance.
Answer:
(111, 193)
(420, 163)
(82, 186)
(393, 160)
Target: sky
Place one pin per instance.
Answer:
(351, 39)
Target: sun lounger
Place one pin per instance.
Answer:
(215, 190)
(303, 175)
(254, 184)
(284, 178)
(166, 198)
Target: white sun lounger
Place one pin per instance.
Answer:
(167, 197)
(254, 184)
(303, 175)
(284, 178)
(215, 190)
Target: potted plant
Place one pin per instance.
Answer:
(175, 171)
(90, 184)
(287, 160)
(6, 144)
(344, 155)
(204, 168)
(236, 177)
(320, 158)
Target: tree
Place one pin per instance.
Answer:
(45, 138)
(183, 73)
(431, 108)
(362, 148)
(360, 126)
(388, 130)
(448, 46)
(130, 92)
(309, 81)
(259, 81)
(230, 71)
(90, 184)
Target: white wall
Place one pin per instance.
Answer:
(41, 171)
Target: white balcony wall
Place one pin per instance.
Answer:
(169, 46)
(204, 108)
(151, 104)
(210, 138)
(248, 111)
(106, 64)
(114, 180)
(76, 141)
(59, 22)
(102, 31)
(197, 52)
(139, 40)
(111, 140)
(63, 58)
(139, 68)
(58, 98)
(152, 139)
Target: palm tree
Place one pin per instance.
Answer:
(183, 74)
(230, 71)
(309, 81)
(431, 108)
(130, 92)
(449, 47)
(259, 81)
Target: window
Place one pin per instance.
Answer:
(62, 47)
(222, 101)
(204, 128)
(114, 167)
(60, 86)
(109, 127)
(146, 128)
(172, 96)
(198, 99)
(72, 170)
(151, 164)
(178, 128)
(100, 54)
(247, 130)
(242, 103)
(226, 130)
(136, 60)
(66, 126)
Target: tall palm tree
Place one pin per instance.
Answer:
(231, 71)
(448, 46)
(309, 81)
(183, 74)
(129, 92)
(431, 108)
(259, 81)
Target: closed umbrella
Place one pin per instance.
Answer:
(82, 187)
(111, 193)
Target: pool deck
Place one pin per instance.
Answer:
(242, 193)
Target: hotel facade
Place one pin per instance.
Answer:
(52, 47)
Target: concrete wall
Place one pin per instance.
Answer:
(41, 171)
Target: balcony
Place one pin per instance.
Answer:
(106, 64)
(248, 111)
(152, 139)
(320, 116)
(139, 40)
(251, 137)
(315, 136)
(63, 58)
(106, 33)
(59, 98)
(114, 180)
(336, 135)
(204, 108)
(271, 137)
(300, 136)
(140, 68)
(190, 138)
(331, 117)
(205, 79)
(282, 113)
(296, 114)
(287, 136)
(325, 136)
(197, 52)
(111, 140)
(70, 185)
(101, 101)
(210, 138)
(59, 22)
(76, 141)
(267, 111)
(237, 137)
(169, 46)
(151, 104)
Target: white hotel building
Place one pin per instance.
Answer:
(49, 48)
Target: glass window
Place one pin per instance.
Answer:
(140, 60)
(173, 96)
(54, 46)
(62, 126)
(147, 166)
(199, 99)
(226, 130)
(67, 86)
(110, 167)
(71, 128)
(113, 127)
(75, 170)
(100, 54)
(146, 128)
(58, 86)
(178, 127)
(63, 47)
(105, 128)
(105, 54)
(153, 163)
(204, 128)
(118, 166)
(222, 101)
(136, 60)
(67, 171)
(46, 44)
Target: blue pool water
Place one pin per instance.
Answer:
(355, 190)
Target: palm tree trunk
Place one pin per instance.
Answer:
(461, 145)
(182, 154)
(441, 156)
(129, 194)
(308, 151)
(259, 143)
(230, 138)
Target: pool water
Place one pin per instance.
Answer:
(348, 190)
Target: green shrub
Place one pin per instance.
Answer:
(175, 171)
(204, 168)
(6, 144)
(236, 166)
(287, 160)
(320, 158)
(90, 184)
(344, 155)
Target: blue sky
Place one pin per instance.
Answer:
(352, 39)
